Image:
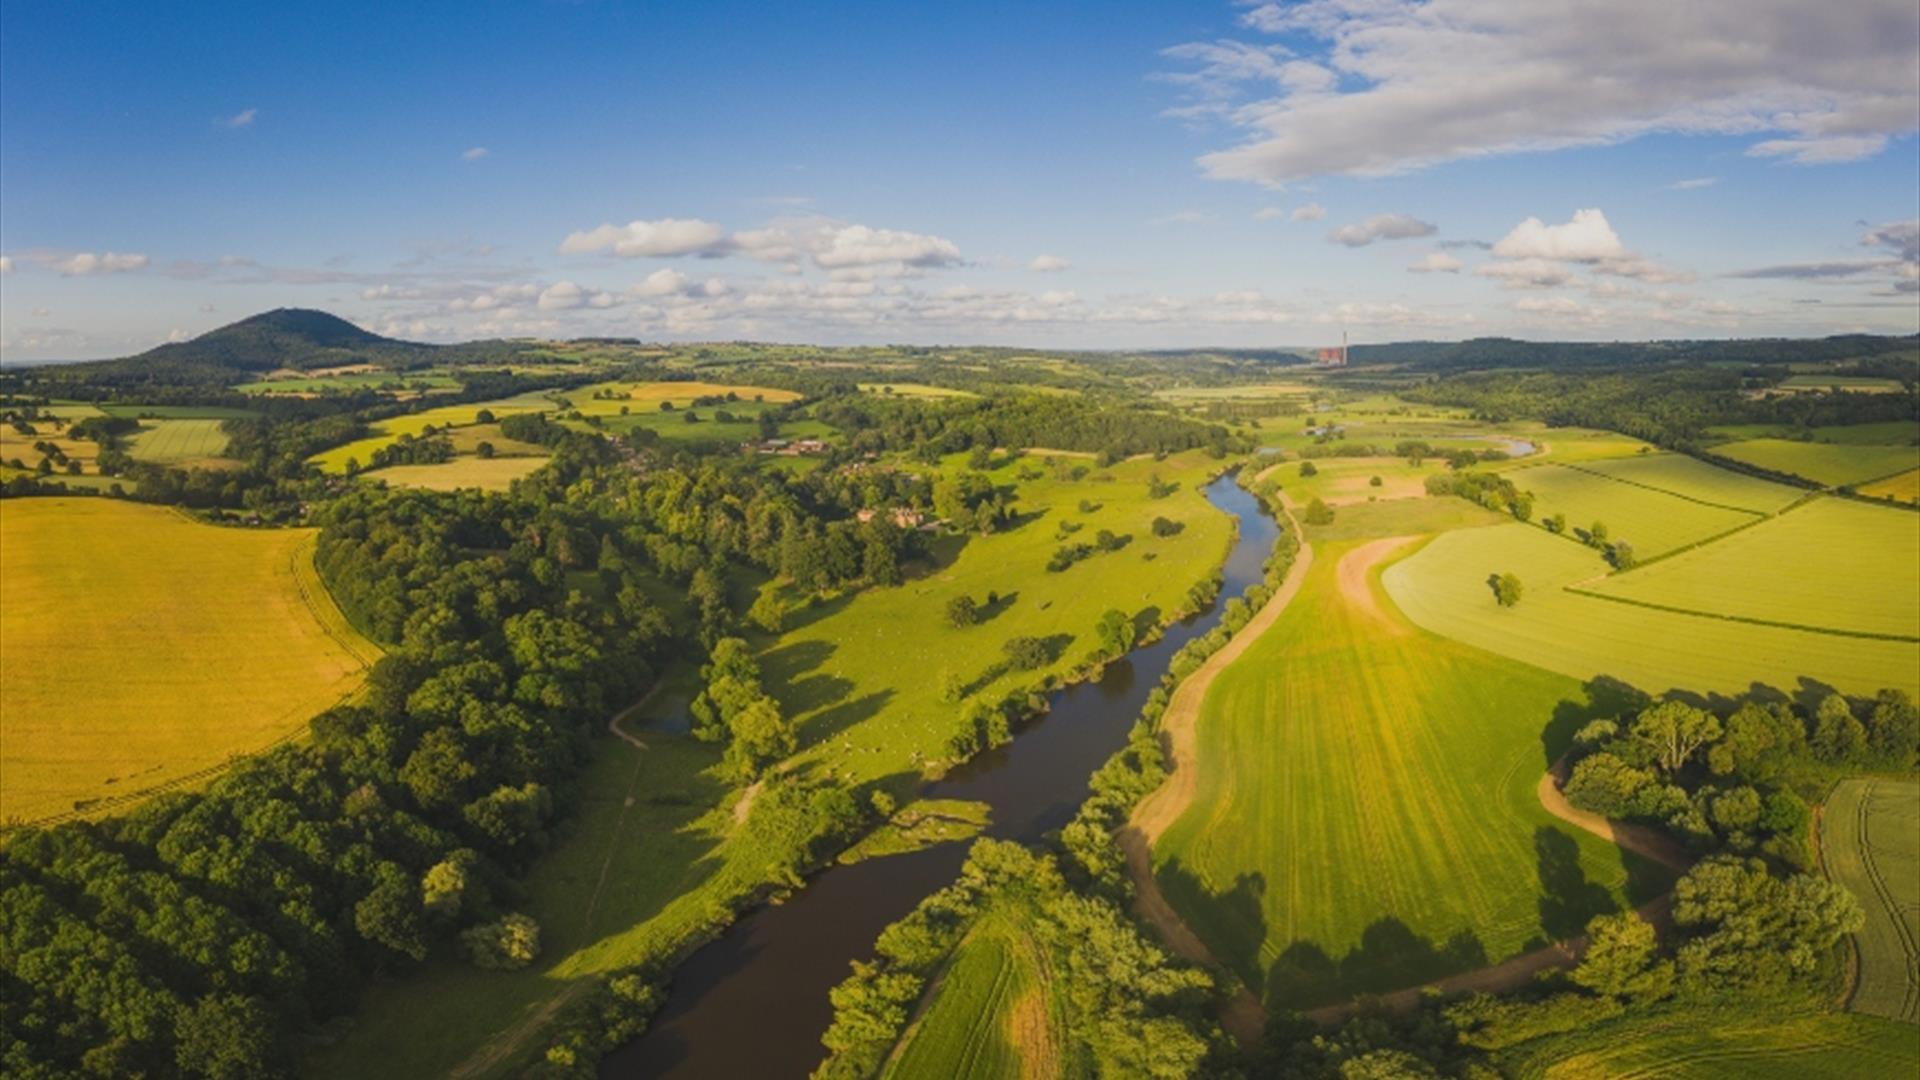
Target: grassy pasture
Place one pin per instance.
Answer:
(1870, 841)
(1749, 1041)
(914, 390)
(1691, 478)
(1366, 816)
(142, 648)
(1853, 384)
(1403, 517)
(1652, 521)
(178, 412)
(1828, 464)
(1341, 481)
(178, 442)
(1260, 392)
(1903, 488)
(386, 432)
(15, 445)
(486, 474)
(1443, 588)
(91, 481)
(1831, 564)
(648, 396)
(1884, 433)
(990, 1015)
(360, 380)
(467, 440)
(674, 426)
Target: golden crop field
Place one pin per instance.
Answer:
(486, 474)
(140, 649)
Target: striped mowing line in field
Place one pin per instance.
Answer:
(1871, 844)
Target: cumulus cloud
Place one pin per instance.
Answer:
(243, 118)
(1312, 211)
(177, 335)
(1381, 227)
(663, 238)
(859, 245)
(1537, 255)
(85, 263)
(1438, 262)
(1048, 264)
(6, 264)
(1410, 85)
(474, 153)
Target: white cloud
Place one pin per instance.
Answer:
(858, 245)
(87, 263)
(1586, 238)
(177, 335)
(1048, 264)
(1526, 273)
(1437, 262)
(1381, 227)
(1901, 239)
(563, 295)
(665, 237)
(660, 283)
(1694, 184)
(474, 153)
(1312, 211)
(243, 118)
(6, 264)
(1414, 84)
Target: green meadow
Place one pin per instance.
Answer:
(1758, 1040)
(1653, 521)
(1827, 464)
(1870, 842)
(178, 442)
(989, 1014)
(1443, 588)
(1366, 818)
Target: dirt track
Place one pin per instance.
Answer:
(1244, 1016)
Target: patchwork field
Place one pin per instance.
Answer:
(1340, 481)
(123, 625)
(1904, 488)
(486, 474)
(386, 432)
(1828, 464)
(1653, 521)
(914, 390)
(649, 396)
(1443, 588)
(1403, 517)
(360, 380)
(1367, 817)
(1752, 1041)
(1833, 564)
(178, 442)
(989, 1015)
(1691, 478)
(1870, 842)
(1883, 433)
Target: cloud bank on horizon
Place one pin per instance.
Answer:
(1438, 169)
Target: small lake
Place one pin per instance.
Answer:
(753, 1002)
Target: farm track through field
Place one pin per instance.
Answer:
(1244, 1017)
(509, 1043)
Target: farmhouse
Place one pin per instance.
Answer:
(905, 517)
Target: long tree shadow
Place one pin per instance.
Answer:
(1568, 900)
(1390, 956)
(1605, 698)
(1236, 914)
(825, 725)
(782, 667)
(941, 551)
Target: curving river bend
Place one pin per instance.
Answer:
(753, 1003)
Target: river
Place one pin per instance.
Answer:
(753, 1002)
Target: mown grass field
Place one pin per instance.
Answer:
(648, 396)
(1904, 488)
(1340, 481)
(990, 1015)
(1443, 588)
(1403, 517)
(1828, 464)
(16, 446)
(1831, 564)
(178, 442)
(1870, 842)
(177, 412)
(862, 672)
(1691, 478)
(142, 648)
(1367, 817)
(361, 380)
(486, 474)
(1748, 1041)
(1856, 384)
(1883, 433)
(1653, 521)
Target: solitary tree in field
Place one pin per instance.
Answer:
(1116, 631)
(962, 612)
(1374, 481)
(1308, 468)
(1506, 590)
(1319, 513)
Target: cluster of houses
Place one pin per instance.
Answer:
(905, 517)
(788, 447)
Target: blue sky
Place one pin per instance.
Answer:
(1110, 175)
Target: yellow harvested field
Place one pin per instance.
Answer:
(486, 474)
(1904, 488)
(648, 396)
(140, 649)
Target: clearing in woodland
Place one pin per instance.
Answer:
(143, 649)
(1366, 816)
